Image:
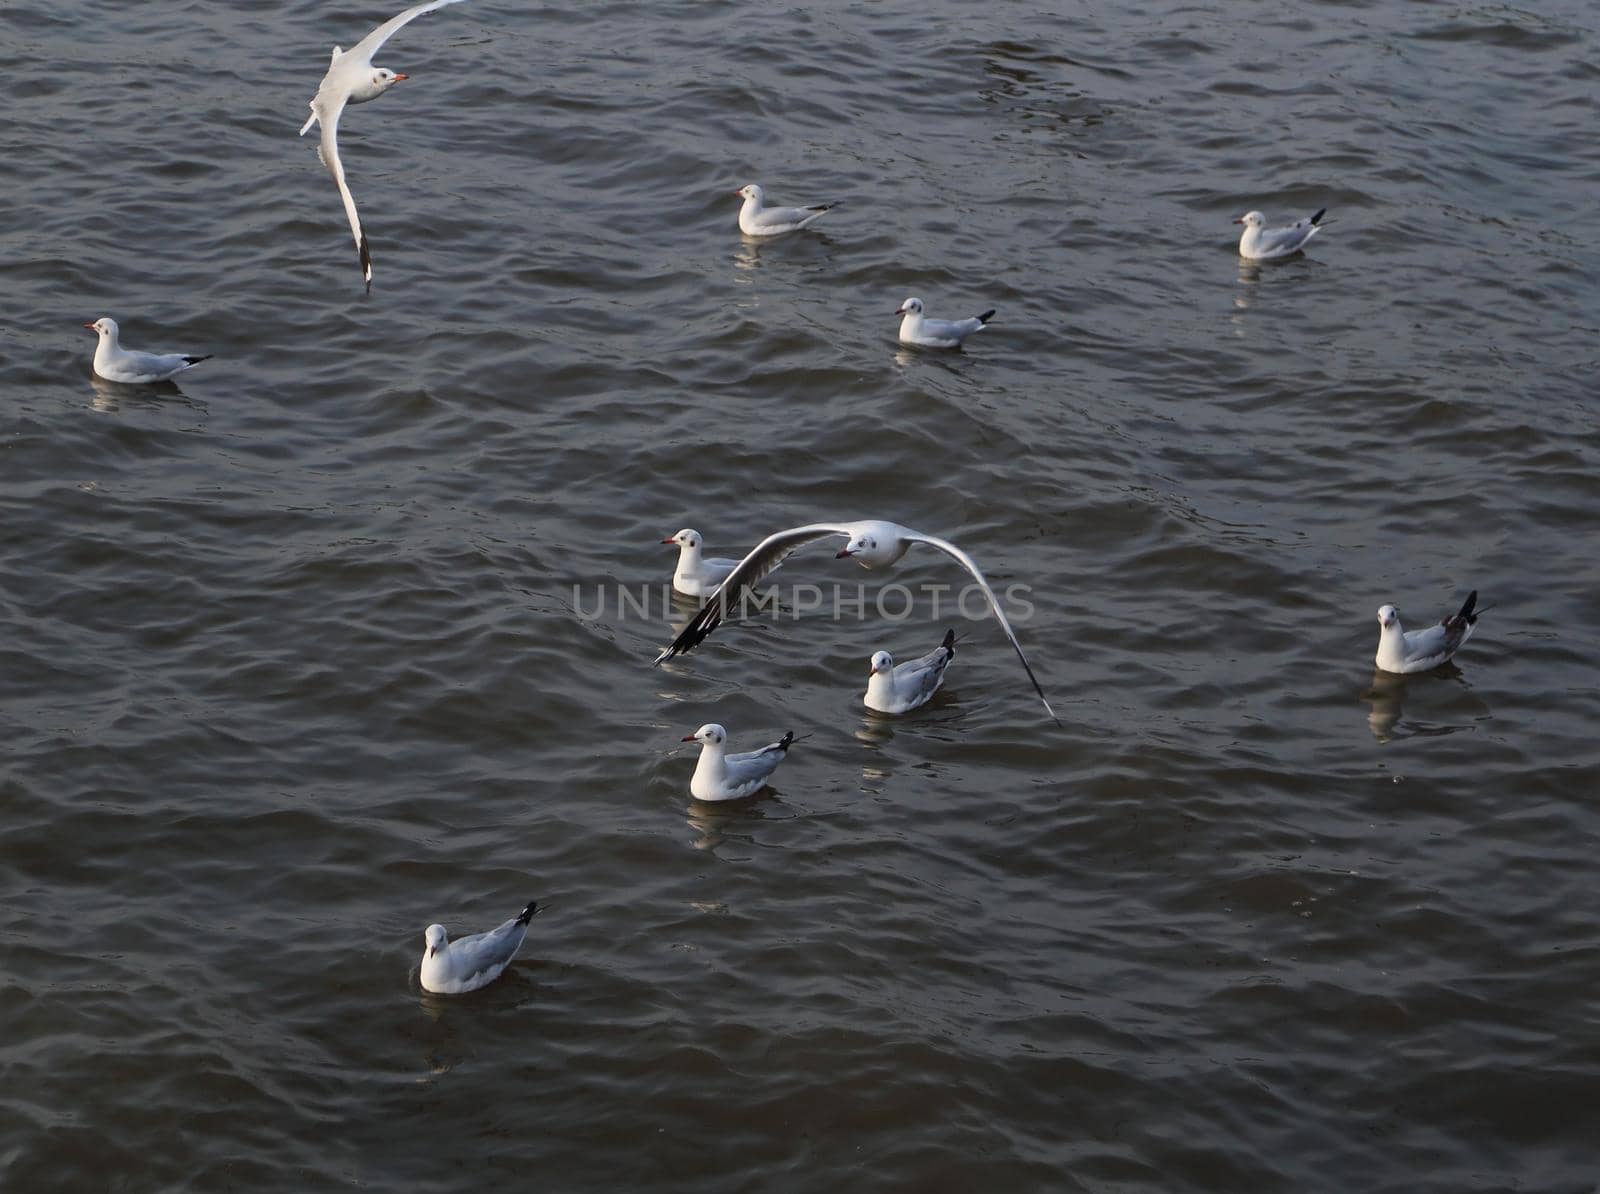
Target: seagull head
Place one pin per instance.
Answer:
(751, 192)
(104, 326)
(857, 545)
(1251, 219)
(435, 936)
(882, 662)
(684, 538)
(710, 734)
(912, 306)
(383, 78)
(1388, 617)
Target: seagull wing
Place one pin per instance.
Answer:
(967, 562)
(373, 42)
(328, 151)
(761, 561)
(1287, 240)
(492, 950)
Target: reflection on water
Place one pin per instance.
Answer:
(110, 396)
(1386, 694)
(718, 821)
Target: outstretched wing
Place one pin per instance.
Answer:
(373, 42)
(328, 151)
(761, 561)
(967, 562)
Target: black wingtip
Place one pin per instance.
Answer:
(1320, 213)
(786, 741)
(986, 316)
(366, 262)
(949, 643)
(527, 913)
(197, 360)
(1467, 607)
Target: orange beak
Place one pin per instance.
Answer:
(398, 76)
(1240, 220)
(91, 327)
(669, 541)
(844, 554)
(688, 738)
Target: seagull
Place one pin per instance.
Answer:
(1260, 243)
(915, 328)
(871, 543)
(721, 776)
(755, 220)
(696, 576)
(900, 689)
(456, 967)
(352, 79)
(1401, 650)
(116, 363)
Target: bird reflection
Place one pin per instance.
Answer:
(1244, 298)
(747, 256)
(111, 396)
(716, 822)
(1386, 694)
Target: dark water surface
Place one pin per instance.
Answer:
(290, 665)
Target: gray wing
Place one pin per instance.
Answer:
(149, 362)
(373, 42)
(967, 562)
(1287, 240)
(952, 329)
(761, 560)
(328, 151)
(484, 951)
(789, 217)
(757, 764)
(919, 679)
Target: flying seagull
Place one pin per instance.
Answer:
(352, 79)
(871, 543)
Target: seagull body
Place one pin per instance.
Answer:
(871, 543)
(456, 967)
(1260, 243)
(116, 363)
(756, 220)
(697, 576)
(352, 79)
(721, 776)
(900, 688)
(1401, 650)
(919, 330)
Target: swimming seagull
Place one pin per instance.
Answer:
(352, 79)
(1260, 243)
(720, 776)
(116, 363)
(456, 967)
(696, 576)
(916, 328)
(1401, 650)
(900, 688)
(755, 220)
(871, 543)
